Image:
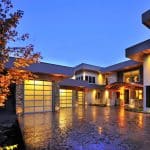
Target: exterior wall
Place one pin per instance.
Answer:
(100, 79)
(90, 97)
(19, 98)
(55, 96)
(120, 76)
(141, 75)
(146, 70)
(73, 77)
(112, 78)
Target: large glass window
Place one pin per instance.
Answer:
(37, 96)
(131, 76)
(147, 96)
(65, 98)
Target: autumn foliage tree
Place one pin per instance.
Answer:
(24, 56)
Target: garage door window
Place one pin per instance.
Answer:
(65, 98)
(80, 97)
(37, 96)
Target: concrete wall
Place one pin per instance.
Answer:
(19, 98)
(146, 71)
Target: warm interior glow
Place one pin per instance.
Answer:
(37, 96)
(122, 96)
(131, 76)
(65, 98)
(80, 97)
(93, 94)
(107, 98)
(100, 79)
(132, 103)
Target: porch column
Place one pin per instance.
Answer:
(146, 74)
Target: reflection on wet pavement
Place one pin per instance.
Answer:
(90, 128)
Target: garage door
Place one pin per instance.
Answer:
(65, 98)
(37, 96)
(81, 98)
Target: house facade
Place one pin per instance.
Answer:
(57, 87)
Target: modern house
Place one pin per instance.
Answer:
(57, 87)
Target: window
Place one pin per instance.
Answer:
(147, 96)
(93, 79)
(79, 78)
(86, 78)
(131, 76)
(138, 94)
(90, 79)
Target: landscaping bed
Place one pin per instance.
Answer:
(10, 134)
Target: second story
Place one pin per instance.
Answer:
(127, 71)
(90, 73)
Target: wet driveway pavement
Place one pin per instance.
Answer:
(90, 128)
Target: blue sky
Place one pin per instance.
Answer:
(69, 32)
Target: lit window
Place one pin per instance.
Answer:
(37, 95)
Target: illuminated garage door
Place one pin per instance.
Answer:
(80, 98)
(65, 98)
(37, 96)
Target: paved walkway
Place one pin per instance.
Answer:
(91, 128)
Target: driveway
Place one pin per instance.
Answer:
(90, 128)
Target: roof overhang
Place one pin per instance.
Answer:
(139, 51)
(117, 85)
(146, 18)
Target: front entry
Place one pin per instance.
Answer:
(126, 96)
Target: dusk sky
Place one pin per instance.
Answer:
(70, 32)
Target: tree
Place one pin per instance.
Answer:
(24, 56)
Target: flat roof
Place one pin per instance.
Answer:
(138, 51)
(79, 83)
(87, 67)
(129, 64)
(47, 68)
(146, 18)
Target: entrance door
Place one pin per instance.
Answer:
(126, 96)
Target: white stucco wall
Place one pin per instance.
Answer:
(112, 78)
